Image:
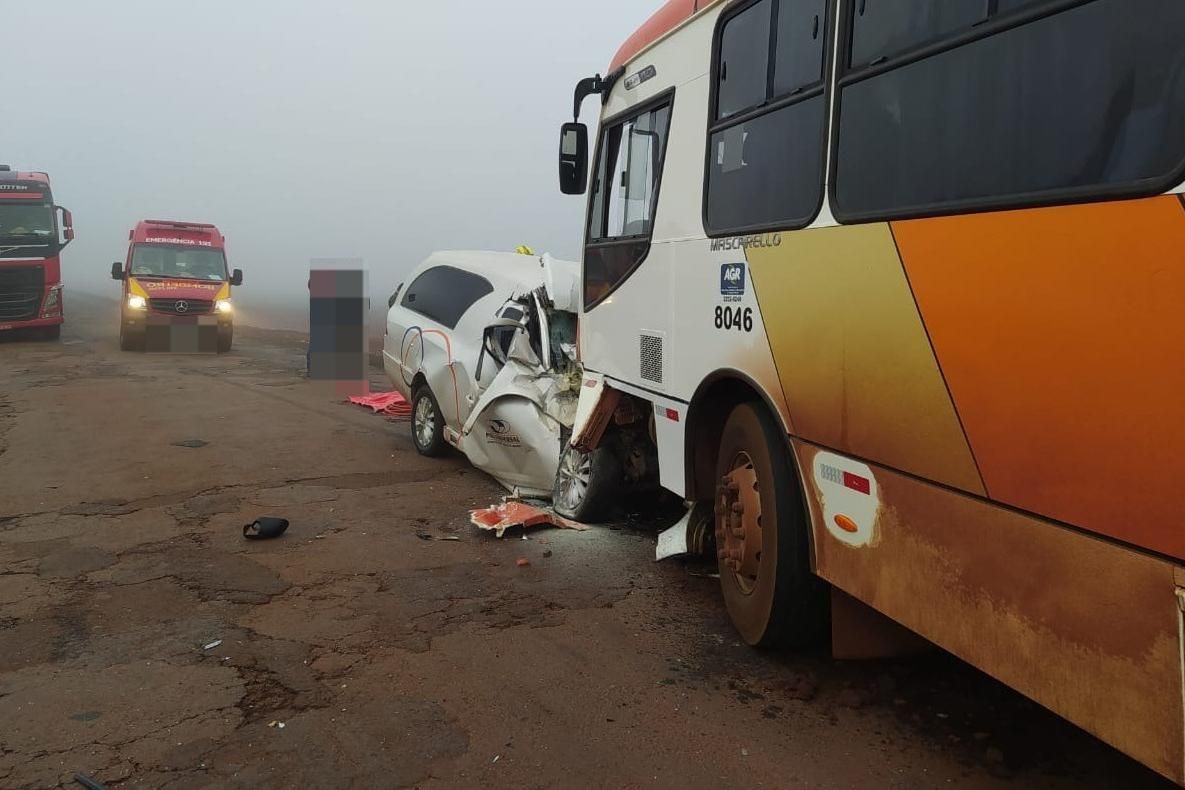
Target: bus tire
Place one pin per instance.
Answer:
(427, 423)
(585, 483)
(762, 536)
(52, 332)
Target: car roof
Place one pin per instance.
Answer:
(504, 270)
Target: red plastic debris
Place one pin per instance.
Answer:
(391, 404)
(512, 513)
(522, 562)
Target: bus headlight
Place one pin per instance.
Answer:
(223, 306)
(137, 302)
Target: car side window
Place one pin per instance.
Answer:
(444, 293)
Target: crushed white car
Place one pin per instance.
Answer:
(483, 345)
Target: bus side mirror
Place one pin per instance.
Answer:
(117, 271)
(67, 224)
(573, 158)
(237, 277)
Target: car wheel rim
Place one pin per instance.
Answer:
(738, 523)
(425, 422)
(574, 475)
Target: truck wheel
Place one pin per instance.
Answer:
(225, 340)
(427, 423)
(762, 540)
(585, 483)
(52, 332)
(130, 341)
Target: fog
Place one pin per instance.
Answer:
(368, 129)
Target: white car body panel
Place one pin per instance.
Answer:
(510, 422)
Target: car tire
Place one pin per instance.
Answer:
(129, 341)
(587, 483)
(762, 536)
(427, 423)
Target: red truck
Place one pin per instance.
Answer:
(176, 288)
(33, 232)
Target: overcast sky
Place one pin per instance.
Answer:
(380, 129)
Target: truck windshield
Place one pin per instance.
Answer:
(189, 263)
(29, 222)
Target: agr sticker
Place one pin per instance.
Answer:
(732, 281)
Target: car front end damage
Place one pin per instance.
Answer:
(520, 420)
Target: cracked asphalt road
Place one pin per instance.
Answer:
(393, 661)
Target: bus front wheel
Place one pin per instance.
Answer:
(762, 541)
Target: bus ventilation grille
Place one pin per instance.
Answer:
(651, 357)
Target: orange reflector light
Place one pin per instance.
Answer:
(846, 524)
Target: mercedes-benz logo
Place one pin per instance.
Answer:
(182, 306)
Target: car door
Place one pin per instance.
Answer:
(436, 302)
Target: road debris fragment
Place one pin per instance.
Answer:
(514, 513)
(212, 645)
(265, 527)
(522, 562)
(191, 443)
(391, 404)
(687, 536)
(88, 782)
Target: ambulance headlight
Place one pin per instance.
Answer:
(223, 306)
(137, 302)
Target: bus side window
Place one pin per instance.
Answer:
(766, 146)
(744, 61)
(1053, 108)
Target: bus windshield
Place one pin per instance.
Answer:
(33, 222)
(189, 263)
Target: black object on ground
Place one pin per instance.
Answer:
(192, 443)
(265, 527)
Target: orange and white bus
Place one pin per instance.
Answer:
(897, 287)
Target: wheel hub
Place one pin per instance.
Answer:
(738, 522)
(574, 474)
(425, 421)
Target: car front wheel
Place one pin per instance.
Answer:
(585, 483)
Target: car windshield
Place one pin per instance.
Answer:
(25, 221)
(191, 263)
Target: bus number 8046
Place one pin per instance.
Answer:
(738, 318)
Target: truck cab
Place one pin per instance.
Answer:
(33, 232)
(176, 288)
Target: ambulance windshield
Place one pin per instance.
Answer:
(188, 263)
